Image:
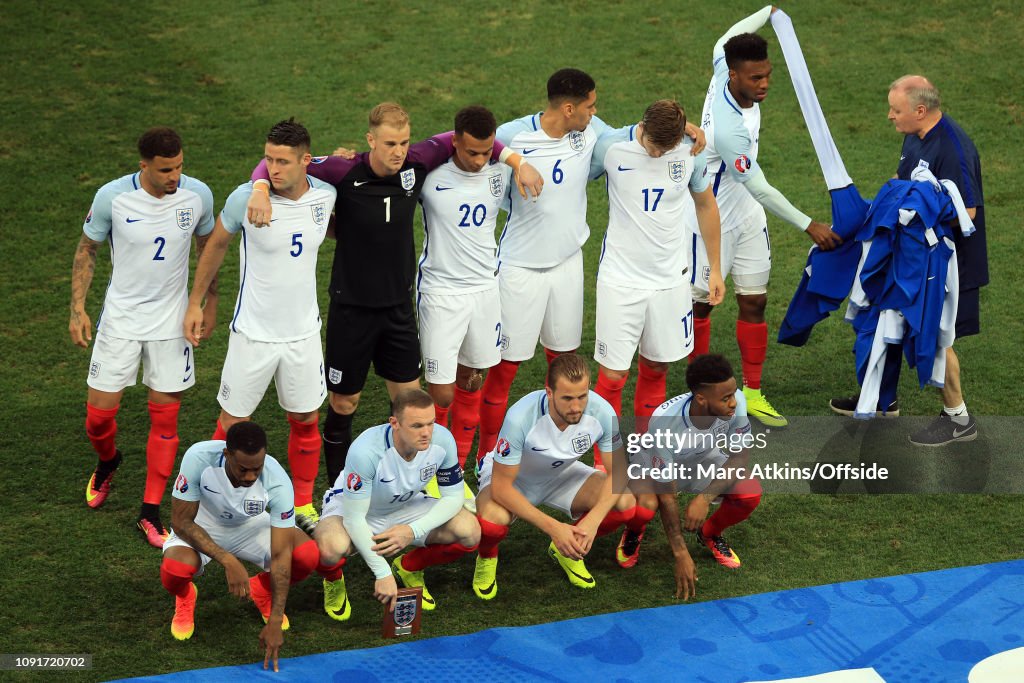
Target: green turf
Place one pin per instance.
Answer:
(83, 81)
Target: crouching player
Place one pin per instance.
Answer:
(536, 462)
(233, 502)
(378, 506)
(710, 430)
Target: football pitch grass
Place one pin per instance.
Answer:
(83, 81)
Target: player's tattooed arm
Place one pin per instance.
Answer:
(183, 520)
(82, 271)
(271, 637)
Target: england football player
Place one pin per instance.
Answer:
(233, 502)
(457, 288)
(713, 431)
(732, 119)
(378, 507)
(149, 219)
(540, 258)
(933, 140)
(643, 290)
(536, 462)
(275, 331)
(371, 317)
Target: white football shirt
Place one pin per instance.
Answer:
(544, 233)
(203, 478)
(460, 211)
(277, 264)
(150, 239)
(645, 246)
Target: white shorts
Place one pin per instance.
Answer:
(458, 329)
(168, 365)
(557, 490)
(659, 321)
(249, 541)
(545, 303)
(419, 505)
(297, 368)
(746, 254)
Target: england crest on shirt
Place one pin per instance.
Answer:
(427, 473)
(185, 218)
(319, 213)
(577, 141)
(676, 171)
(408, 178)
(253, 506)
(495, 184)
(581, 444)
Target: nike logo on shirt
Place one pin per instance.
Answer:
(132, 220)
(387, 481)
(530, 151)
(539, 449)
(357, 183)
(624, 169)
(441, 189)
(210, 490)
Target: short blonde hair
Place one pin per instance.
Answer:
(390, 113)
(568, 365)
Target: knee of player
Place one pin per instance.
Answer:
(332, 545)
(466, 528)
(614, 375)
(625, 502)
(654, 366)
(443, 394)
(751, 303)
(469, 379)
(344, 404)
(648, 501)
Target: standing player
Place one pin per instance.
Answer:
(536, 462)
(457, 288)
(233, 502)
(540, 257)
(711, 414)
(378, 507)
(371, 316)
(149, 219)
(643, 291)
(275, 332)
(932, 139)
(732, 119)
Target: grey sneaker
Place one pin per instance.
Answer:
(943, 430)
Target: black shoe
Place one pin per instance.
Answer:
(943, 430)
(847, 405)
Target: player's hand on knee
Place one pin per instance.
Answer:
(696, 513)
(823, 236)
(237, 577)
(586, 532)
(567, 540)
(258, 211)
(686, 576)
(392, 541)
(385, 591)
(700, 141)
(80, 328)
(271, 640)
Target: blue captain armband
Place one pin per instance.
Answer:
(450, 476)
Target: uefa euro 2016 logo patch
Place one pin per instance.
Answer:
(676, 171)
(427, 473)
(495, 183)
(503, 448)
(353, 482)
(253, 506)
(581, 444)
(408, 178)
(185, 217)
(319, 213)
(577, 141)
(181, 484)
(742, 163)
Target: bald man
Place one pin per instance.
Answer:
(933, 140)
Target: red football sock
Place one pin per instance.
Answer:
(641, 516)
(440, 415)
(753, 341)
(491, 535)
(613, 520)
(495, 401)
(735, 508)
(331, 572)
(650, 390)
(219, 434)
(161, 449)
(305, 559)
(701, 337)
(176, 576)
(551, 355)
(465, 418)
(611, 389)
(303, 458)
(428, 556)
(101, 428)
